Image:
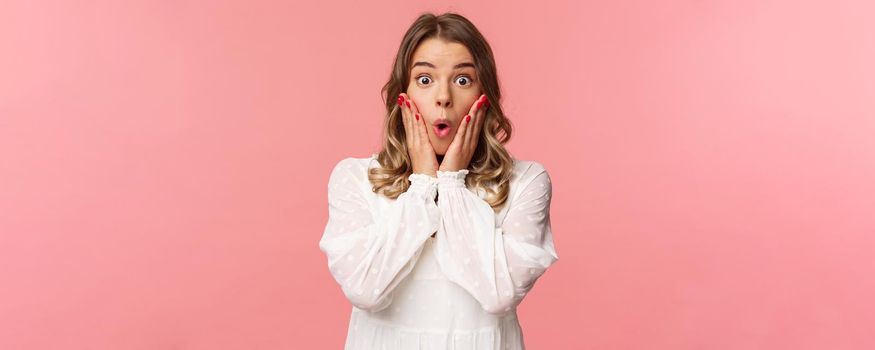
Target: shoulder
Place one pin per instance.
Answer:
(530, 177)
(354, 162)
(524, 171)
(351, 168)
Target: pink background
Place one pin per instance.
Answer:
(164, 167)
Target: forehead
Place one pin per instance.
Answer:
(441, 53)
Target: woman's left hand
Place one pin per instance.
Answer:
(464, 143)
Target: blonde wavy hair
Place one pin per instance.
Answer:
(491, 165)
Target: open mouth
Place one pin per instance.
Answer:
(442, 129)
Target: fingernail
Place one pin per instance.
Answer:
(400, 99)
(467, 118)
(408, 104)
(417, 116)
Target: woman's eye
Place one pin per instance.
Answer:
(462, 80)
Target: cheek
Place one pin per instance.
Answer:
(413, 89)
(472, 98)
(416, 97)
(469, 102)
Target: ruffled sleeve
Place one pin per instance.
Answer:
(496, 265)
(369, 254)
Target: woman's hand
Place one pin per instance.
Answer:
(419, 147)
(464, 143)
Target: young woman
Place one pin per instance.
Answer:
(438, 237)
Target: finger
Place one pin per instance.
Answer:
(472, 111)
(410, 104)
(481, 120)
(476, 117)
(471, 136)
(413, 110)
(422, 130)
(405, 118)
(421, 127)
(415, 137)
(459, 138)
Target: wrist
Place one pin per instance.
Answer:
(451, 179)
(423, 184)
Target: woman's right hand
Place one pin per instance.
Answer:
(419, 147)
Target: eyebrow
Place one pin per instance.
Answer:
(427, 64)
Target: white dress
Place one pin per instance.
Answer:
(457, 290)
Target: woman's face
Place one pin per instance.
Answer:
(443, 85)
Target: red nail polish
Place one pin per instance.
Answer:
(408, 104)
(400, 98)
(467, 118)
(417, 116)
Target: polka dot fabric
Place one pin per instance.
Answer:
(456, 290)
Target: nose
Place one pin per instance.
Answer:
(443, 99)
